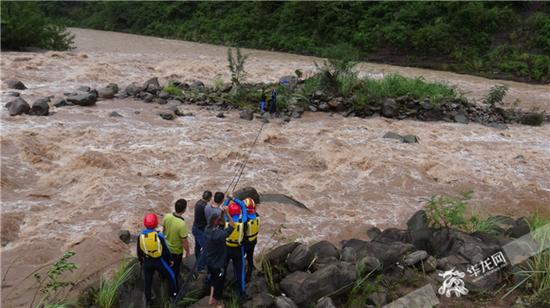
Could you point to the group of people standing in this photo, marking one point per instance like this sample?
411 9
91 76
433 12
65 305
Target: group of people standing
225 230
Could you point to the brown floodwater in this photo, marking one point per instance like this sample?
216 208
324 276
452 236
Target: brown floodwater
73 179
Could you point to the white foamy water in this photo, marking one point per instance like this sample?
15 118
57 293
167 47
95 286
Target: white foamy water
74 179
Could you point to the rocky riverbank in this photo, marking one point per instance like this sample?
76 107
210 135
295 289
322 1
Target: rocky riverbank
394 267
175 94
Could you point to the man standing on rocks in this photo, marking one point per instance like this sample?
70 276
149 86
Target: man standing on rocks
251 235
215 208
175 229
273 106
199 225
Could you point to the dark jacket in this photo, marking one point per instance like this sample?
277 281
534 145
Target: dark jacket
166 255
200 219
215 246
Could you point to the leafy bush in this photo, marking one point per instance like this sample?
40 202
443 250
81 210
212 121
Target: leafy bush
108 292
51 285
236 66
24 26
496 95
446 211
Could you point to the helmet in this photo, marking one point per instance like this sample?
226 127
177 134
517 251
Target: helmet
150 221
234 209
250 205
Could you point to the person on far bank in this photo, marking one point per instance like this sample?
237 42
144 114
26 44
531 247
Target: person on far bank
154 256
262 103
215 254
199 226
175 230
273 106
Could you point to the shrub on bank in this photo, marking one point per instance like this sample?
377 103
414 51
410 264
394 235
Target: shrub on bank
24 26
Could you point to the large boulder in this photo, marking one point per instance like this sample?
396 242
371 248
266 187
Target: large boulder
325 282
284 302
390 108
14 84
417 221
41 107
300 258
325 302
152 85
320 263
289 81
454 242
264 300
247 192
18 106
278 255
60 102
368 264
246 115
393 235
83 99
133 89
325 249
415 257
392 135
290 285
387 253
519 229
197 85
108 92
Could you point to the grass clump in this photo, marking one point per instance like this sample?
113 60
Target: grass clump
172 90
396 85
108 292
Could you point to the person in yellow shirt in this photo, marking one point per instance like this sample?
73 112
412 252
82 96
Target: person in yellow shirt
175 231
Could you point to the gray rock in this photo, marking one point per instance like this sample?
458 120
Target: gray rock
300 258
461 118
258 285
417 221
260 300
124 236
164 95
430 264
390 108
336 103
220 115
84 89
167 115
326 281
320 263
325 302
410 139
349 255
14 84
393 135
174 102
368 264
115 114
151 86
324 107
290 285
40 107
197 85
325 249
284 302
146 97
83 99
373 232
246 115
296 114
378 299
60 102
520 228
107 92
393 235
415 257
312 108
180 112
278 255
133 89
18 106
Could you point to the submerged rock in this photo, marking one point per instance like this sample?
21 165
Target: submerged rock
14 84
246 115
40 107
18 106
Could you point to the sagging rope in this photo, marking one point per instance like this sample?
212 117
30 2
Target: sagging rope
237 176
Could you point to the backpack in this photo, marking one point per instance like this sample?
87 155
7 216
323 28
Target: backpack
150 244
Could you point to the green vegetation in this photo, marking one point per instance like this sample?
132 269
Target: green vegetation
504 39
24 25
51 285
417 88
107 294
236 66
448 211
496 95
172 90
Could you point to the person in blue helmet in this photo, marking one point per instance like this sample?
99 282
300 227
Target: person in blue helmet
154 256
236 211
273 106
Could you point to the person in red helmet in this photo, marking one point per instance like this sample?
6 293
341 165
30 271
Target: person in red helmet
251 230
153 254
236 212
